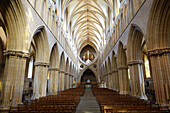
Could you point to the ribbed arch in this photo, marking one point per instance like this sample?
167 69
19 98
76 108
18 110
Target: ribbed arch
85 16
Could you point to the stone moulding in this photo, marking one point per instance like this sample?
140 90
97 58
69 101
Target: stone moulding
133 62
53 68
16 53
156 52
45 64
114 70
61 71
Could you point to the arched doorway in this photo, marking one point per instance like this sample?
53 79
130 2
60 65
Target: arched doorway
88 77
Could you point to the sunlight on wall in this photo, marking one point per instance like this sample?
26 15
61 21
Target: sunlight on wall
2 35
30 68
147 70
48 75
129 74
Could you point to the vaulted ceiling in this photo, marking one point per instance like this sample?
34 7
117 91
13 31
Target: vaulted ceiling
87 21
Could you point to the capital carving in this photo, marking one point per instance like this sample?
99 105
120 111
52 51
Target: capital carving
53 68
133 62
105 74
45 64
109 73
114 70
67 73
156 52
20 54
71 75
61 71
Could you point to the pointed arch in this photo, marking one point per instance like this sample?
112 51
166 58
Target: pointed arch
81 73
122 70
66 80
40 43
54 57
88 74
14 17
121 56
114 62
62 71
134 43
158 43
62 62
135 61
109 64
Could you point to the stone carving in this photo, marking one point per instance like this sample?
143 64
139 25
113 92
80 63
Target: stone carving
53 68
61 71
133 62
156 52
16 53
114 70
45 64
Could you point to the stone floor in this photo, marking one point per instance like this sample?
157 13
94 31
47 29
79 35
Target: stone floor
88 103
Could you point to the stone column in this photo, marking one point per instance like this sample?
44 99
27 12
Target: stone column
107 81
65 81
53 80
115 79
70 81
123 80
40 79
110 82
137 79
62 77
14 74
160 68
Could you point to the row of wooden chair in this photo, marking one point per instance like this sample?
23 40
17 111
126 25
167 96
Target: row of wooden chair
64 102
112 102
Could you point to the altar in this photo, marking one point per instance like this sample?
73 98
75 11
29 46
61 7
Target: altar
88 84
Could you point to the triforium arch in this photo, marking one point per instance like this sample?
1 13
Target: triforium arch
62 71
122 69
40 45
135 61
114 71
53 70
158 44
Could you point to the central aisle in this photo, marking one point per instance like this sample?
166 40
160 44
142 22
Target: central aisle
88 103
